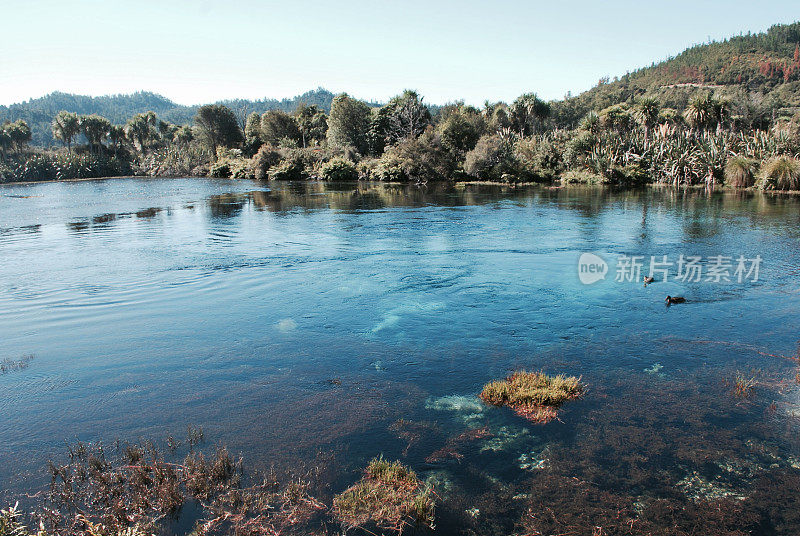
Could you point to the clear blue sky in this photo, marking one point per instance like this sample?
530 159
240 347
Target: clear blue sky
200 51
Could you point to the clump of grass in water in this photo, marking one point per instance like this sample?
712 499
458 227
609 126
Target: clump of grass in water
743 386
389 496
533 395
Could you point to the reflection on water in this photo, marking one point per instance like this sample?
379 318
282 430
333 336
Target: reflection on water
291 318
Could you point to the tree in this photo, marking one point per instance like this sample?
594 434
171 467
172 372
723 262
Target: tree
217 126
5 141
349 122
96 129
141 128
66 126
407 117
527 112
313 123
19 133
252 134
116 134
646 113
461 129
277 126
706 112
183 136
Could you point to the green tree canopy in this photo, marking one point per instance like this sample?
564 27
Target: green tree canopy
277 125
65 126
141 128
349 123
96 129
217 126
313 123
527 113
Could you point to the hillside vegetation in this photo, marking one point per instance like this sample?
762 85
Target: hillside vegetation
758 73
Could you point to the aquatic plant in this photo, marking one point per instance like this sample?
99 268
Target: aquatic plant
740 172
129 488
390 496
533 395
743 386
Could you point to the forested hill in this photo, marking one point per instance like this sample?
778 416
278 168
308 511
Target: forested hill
119 108
763 68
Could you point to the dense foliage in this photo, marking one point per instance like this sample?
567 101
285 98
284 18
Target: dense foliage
720 113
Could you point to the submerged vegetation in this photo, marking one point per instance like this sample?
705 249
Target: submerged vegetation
390 497
533 395
663 124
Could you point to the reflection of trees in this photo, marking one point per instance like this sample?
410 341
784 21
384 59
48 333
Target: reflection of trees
228 205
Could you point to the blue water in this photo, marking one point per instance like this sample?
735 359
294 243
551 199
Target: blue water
289 319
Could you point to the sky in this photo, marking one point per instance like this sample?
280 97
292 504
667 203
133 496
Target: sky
203 51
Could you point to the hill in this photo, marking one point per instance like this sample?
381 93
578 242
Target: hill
119 108
760 71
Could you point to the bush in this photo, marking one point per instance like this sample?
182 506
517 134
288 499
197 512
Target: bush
582 177
291 168
220 169
339 170
266 157
740 172
781 173
491 159
418 160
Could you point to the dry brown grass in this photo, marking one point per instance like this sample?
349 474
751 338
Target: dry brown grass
533 395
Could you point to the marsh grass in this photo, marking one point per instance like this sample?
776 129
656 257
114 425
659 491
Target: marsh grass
389 496
533 395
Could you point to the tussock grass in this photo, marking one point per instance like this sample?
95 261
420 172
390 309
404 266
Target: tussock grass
389 496
533 395
740 172
781 173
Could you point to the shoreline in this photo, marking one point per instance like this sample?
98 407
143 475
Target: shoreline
553 185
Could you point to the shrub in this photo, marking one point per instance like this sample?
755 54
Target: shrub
781 173
740 172
339 170
419 160
533 395
220 169
582 177
291 168
266 157
491 159
389 496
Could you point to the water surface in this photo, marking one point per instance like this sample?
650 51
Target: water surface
290 319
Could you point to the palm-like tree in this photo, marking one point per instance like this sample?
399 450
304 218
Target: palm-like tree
646 114
66 126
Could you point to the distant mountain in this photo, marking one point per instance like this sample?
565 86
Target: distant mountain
119 108
763 67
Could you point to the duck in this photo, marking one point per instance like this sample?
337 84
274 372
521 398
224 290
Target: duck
648 280
674 299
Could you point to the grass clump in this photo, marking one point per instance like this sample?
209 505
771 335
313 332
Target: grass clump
743 386
389 496
533 395
740 172
781 173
